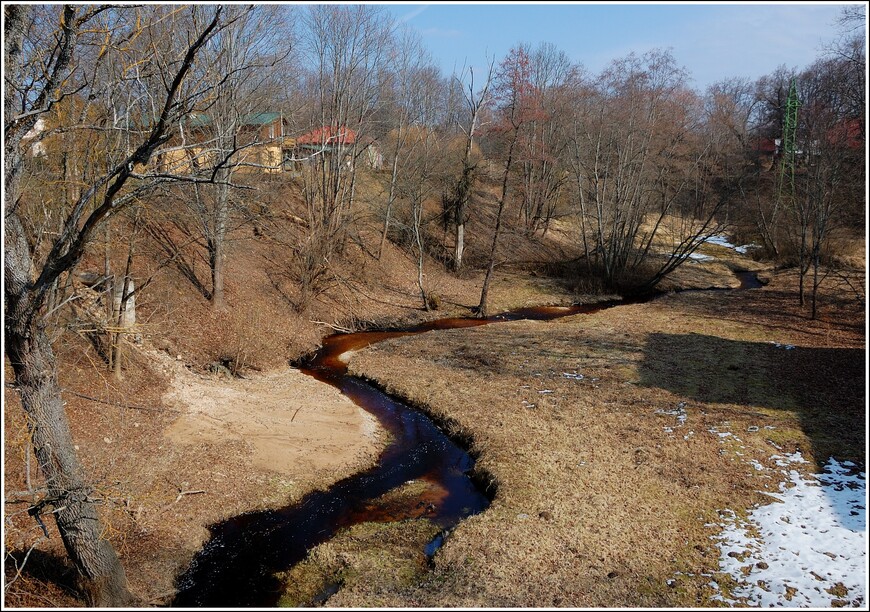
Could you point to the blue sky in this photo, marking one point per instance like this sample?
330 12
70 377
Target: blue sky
713 41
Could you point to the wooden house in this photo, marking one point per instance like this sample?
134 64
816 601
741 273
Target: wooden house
329 141
260 139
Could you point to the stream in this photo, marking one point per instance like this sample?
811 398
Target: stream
237 566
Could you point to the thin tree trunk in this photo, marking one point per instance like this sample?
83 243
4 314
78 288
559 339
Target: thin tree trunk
110 295
460 246
815 293
390 198
126 290
802 269
418 213
216 262
463 195
482 308
217 244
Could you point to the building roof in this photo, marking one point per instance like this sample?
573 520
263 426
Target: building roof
325 136
848 133
261 118
766 145
200 120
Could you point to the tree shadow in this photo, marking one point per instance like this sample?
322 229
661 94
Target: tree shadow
824 387
54 572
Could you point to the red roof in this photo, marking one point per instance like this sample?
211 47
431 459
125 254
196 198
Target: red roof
325 135
765 145
847 133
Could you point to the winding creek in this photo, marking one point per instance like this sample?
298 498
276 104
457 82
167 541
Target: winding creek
237 566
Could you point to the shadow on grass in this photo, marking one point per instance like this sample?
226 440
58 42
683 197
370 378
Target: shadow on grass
54 574
824 387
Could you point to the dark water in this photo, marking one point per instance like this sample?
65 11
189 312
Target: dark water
236 566
749 280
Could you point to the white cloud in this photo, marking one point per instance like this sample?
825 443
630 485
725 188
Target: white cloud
409 16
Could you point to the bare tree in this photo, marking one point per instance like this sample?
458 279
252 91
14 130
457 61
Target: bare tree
831 165
456 200
643 171
517 104
37 78
771 97
423 165
226 133
543 144
346 48
411 67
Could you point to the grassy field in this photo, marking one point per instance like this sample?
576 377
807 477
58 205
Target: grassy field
614 441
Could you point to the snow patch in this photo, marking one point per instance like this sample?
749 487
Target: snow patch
701 257
810 547
679 412
721 240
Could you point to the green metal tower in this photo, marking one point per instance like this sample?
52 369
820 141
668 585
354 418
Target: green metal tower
789 136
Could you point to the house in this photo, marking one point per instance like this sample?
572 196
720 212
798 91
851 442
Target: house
260 138
267 130
326 140
848 134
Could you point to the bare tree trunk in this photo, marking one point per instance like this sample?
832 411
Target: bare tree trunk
463 189
460 246
27 345
482 308
216 263
124 294
802 269
33 362
418 215
110 295
392 195
815 292
217 244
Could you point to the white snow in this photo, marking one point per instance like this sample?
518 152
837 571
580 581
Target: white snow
701 257
722 240
812 541
679 412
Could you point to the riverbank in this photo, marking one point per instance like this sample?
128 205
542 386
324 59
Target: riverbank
616 439
181 443
186 455
196 450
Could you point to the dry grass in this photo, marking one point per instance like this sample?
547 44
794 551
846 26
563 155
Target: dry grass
139 473
602 493
369 560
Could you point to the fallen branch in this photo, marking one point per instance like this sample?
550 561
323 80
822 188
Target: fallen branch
183 493
119 404
19 497
333 326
